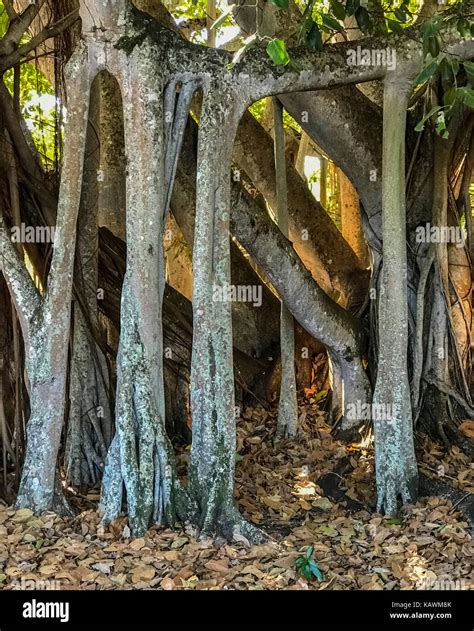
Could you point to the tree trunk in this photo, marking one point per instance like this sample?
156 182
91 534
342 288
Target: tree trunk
287 423
89 428
395 460
46 339
212 383
141 447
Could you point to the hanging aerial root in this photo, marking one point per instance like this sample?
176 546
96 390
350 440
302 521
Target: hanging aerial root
176 111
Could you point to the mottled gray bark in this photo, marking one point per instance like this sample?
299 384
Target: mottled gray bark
145 453
89 427
287 423
46 336
212 382
396 468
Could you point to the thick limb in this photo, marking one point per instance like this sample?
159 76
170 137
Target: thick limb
320 316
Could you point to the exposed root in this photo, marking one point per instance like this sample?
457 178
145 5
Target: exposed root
464 502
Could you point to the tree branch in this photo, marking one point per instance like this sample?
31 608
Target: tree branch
8 4
15 57
27 158
18 27
20 284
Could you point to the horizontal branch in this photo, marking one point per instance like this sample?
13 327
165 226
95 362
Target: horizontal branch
256 76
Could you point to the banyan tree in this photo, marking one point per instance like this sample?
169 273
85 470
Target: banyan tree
106 361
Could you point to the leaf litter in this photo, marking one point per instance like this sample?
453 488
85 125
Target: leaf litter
277 489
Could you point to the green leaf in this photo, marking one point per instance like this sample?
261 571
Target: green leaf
450 96
281 4
427 72
331 24
277 52
352 6
464 27
421 124
314 40
315 571
441 128
222 18
431 39
320 395
363 19
394 521
454 63
309 552
469 68
434 46
467 97
338 9
401 15
429 28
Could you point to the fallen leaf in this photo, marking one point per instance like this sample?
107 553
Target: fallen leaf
168 583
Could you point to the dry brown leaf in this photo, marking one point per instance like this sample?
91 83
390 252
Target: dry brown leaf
217 566
168 583
467 428
143 573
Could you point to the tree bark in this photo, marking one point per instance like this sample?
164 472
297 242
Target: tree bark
46 336
396 468
89 427
212 383
323 318
287 423
141 447
351 219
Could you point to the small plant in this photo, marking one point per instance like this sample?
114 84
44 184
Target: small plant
307 567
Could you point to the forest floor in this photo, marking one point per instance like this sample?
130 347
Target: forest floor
287 490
